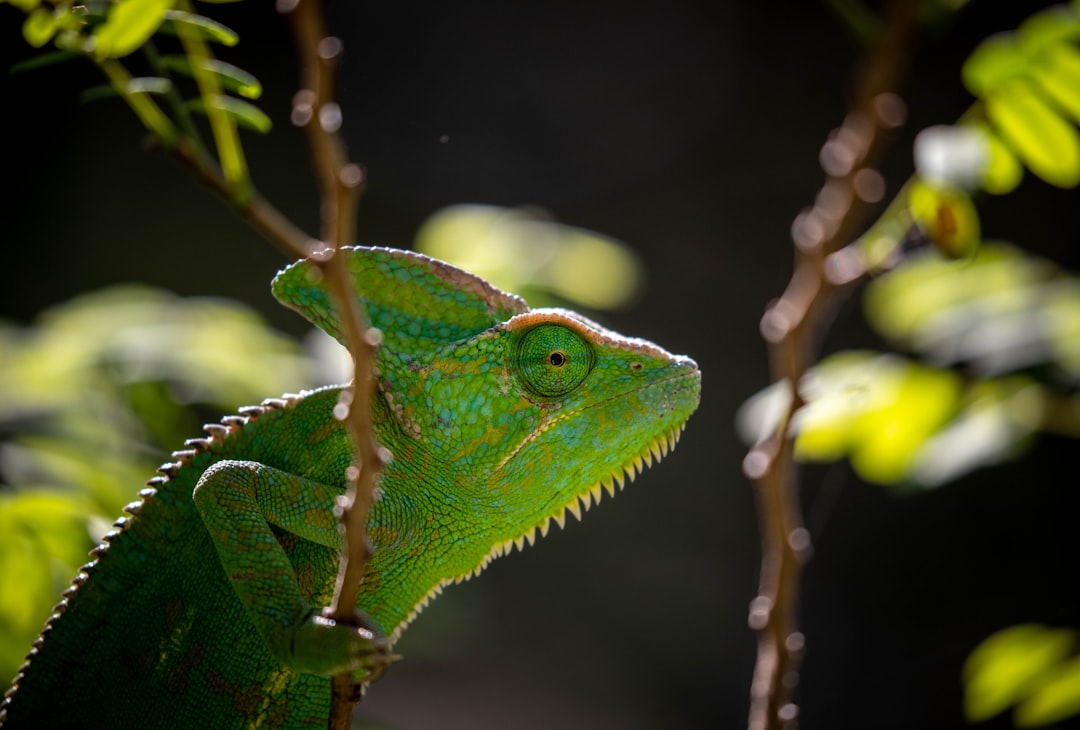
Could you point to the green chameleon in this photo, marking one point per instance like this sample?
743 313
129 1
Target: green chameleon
201 609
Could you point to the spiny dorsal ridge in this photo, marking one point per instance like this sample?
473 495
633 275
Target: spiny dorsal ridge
252 412
199 445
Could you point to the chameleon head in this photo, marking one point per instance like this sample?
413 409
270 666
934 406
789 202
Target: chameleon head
546 411
500 419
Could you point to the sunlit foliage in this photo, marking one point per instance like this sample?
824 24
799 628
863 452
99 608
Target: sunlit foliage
99 391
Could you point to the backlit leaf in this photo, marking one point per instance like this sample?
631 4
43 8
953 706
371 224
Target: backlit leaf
1054 700
1003 171
235 79
1048 145
210 29
995 60
40 26
1003 669
947 216
246 115
149 85
43 60
128 26
1058 77
1050 27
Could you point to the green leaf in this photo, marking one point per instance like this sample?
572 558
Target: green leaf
1057 699
879 410
40 26
231 78
246 115
1048 145
128 26
996 60
43 60
149 85
210 29
947 216
1058 77
1050 27
1003 171
97 93
1004 668
25 5
235 79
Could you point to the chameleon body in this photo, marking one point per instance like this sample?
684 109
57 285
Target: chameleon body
201 609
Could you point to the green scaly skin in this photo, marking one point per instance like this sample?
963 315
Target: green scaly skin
202 608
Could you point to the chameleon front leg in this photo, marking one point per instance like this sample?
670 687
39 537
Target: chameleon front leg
238 501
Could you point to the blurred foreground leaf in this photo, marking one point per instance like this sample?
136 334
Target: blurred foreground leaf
1000 333
92 398
1031 667
523 252
1027 81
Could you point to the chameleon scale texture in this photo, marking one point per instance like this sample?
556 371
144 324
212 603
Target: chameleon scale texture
500 420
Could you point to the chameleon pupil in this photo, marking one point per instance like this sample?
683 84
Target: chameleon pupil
557 359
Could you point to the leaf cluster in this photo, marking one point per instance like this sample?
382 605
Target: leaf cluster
93 397
124 35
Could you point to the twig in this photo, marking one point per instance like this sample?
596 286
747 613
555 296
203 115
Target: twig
340 184
791 326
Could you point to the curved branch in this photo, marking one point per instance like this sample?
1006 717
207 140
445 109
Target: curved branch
340 184
791 327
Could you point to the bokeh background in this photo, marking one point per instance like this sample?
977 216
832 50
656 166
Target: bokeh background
690 131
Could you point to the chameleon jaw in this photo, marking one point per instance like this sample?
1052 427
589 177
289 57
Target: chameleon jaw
653 452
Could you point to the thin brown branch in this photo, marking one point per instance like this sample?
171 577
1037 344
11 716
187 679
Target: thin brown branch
340 186
257 211
791 327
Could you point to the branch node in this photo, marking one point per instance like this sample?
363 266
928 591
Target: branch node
330 48
351 176
756 463
760 613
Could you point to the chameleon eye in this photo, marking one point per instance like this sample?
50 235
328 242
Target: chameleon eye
552 360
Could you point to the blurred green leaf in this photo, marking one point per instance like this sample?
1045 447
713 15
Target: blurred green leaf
97 93
229 76
524 252
878 410
246 115
1003 171
993 62
1053 26
999 312
149 85
41 25
25 5
1056 698
44 538
128 26
1008 666
98 392
210 29
882 412
947 216
235 79
1048 145
1011 321
1058 78
43 60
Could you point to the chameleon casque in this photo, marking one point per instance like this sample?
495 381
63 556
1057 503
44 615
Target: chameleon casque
202 607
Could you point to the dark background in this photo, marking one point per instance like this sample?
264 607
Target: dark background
690 130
